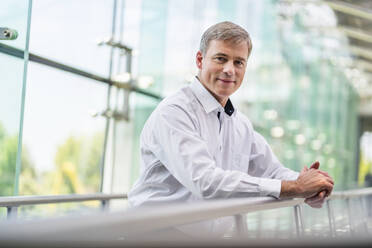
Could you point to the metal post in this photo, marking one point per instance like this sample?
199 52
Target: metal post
364 214
241 225
350 216
331 219
259 224
105 205
299 221
12 212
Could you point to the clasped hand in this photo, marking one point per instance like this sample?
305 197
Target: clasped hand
315 184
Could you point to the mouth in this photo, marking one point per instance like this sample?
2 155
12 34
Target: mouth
226 81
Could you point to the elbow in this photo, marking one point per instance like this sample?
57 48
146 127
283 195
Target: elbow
207 185
207 193
206 189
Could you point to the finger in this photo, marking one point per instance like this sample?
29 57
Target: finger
312 203
317 198
329 193
315 165
322 194
324 173
315 205
312 198
318 205
304 169
327 187
328 178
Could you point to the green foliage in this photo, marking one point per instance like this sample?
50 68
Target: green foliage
77 165
8 156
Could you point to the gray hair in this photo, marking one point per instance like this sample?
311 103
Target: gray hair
226 31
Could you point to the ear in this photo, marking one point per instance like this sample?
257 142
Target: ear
199 60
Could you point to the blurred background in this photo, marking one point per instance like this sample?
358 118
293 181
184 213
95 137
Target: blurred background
79 82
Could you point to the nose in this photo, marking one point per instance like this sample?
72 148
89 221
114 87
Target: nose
229 68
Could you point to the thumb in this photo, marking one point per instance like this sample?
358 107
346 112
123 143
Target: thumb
315 165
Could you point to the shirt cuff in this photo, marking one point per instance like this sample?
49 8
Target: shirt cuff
271 187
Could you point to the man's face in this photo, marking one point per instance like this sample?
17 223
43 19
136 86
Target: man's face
222 67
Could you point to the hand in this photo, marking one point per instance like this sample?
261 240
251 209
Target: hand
309 184
316 201
316 165
312 181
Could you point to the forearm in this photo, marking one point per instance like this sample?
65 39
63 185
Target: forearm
289 189
308 184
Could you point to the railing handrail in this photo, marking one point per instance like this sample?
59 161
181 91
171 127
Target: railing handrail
10 201
350 193
97 226
108 225
48 199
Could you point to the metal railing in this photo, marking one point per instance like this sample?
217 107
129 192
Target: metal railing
15 52
12 203
114 226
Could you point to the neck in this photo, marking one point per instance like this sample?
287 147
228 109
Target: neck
222 101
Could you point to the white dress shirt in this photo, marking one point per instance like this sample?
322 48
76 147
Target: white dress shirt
192 148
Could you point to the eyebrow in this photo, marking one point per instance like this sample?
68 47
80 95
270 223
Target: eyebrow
225 55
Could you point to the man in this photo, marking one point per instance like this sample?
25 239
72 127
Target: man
196 145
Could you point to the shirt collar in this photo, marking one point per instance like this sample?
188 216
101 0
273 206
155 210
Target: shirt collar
206 99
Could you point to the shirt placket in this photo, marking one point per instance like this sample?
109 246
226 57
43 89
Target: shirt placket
220 133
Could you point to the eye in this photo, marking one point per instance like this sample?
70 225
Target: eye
220 59
239 63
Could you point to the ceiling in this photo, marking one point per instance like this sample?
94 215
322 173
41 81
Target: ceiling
354 18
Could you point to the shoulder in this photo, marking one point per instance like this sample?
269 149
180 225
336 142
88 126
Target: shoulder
243 120
178 107
181 101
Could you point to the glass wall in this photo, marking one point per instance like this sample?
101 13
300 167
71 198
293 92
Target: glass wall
13 15
82 135
62 139
298 90
365 165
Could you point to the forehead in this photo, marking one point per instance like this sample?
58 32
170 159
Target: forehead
230 48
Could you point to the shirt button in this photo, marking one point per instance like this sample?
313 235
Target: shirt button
220 147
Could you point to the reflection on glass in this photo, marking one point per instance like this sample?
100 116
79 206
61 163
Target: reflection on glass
62 141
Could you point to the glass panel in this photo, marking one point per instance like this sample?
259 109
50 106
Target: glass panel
153 27
271 224
69 31
58 210
284 109
13 15
62 141
365 164
3 213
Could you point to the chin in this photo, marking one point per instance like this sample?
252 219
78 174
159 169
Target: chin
224 94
